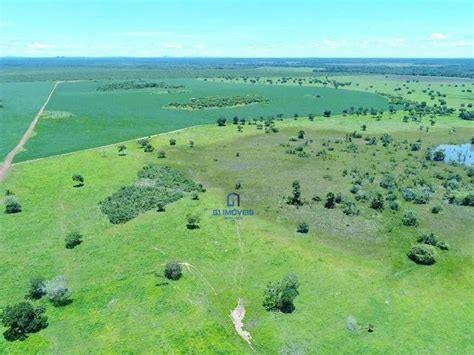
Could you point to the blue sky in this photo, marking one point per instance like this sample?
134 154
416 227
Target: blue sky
230 28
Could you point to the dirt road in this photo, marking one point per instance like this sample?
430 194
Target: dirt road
9 158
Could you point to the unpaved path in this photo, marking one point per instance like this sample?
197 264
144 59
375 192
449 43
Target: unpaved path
237 315
9 158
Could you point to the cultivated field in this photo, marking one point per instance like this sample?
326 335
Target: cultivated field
92 118
20 102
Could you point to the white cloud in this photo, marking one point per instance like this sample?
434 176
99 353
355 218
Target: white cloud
146 34
435 36
39 45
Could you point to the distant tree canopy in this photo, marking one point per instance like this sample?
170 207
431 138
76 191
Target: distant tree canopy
132 84
200 103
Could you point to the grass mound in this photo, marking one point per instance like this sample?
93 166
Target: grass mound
156 186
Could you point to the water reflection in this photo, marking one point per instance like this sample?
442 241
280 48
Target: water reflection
461 153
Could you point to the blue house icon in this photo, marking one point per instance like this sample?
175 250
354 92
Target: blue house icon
233 199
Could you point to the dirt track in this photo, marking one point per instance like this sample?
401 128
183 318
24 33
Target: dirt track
10 156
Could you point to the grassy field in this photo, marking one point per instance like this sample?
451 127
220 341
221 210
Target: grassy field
21 102
90 118
347 265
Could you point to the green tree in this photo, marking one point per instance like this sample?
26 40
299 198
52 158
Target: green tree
173 270
12 204
295 197
330 200
121 149
221 121
78 179
57 291
21 319
72 240
280 296
192 222
37 288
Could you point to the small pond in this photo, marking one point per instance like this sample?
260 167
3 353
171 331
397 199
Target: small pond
461 153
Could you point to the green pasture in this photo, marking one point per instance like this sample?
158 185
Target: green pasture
91 118
347 265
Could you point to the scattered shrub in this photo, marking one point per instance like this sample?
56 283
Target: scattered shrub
172 141
330 200
350 208
410 218
173 270
22 319
388 182
295 197
192 222
436 209
351 324
443 245
221 121
37 288
394 205
78 179
161 154
427 238
302 228
57 291
121 149
73 240
422 254
378 202
148 148
280 296
12 204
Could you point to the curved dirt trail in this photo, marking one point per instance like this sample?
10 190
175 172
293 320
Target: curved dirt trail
7 163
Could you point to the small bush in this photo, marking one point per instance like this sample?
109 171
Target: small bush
22 319
161 154
12 204
194 196
37 288
302 228
351 324
73 240
160 207
173 270
57 291
428 238
172 141
410 218
221 121
78 179
192 222
422 254
378 202
436 209
443 245
148 148
394 205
